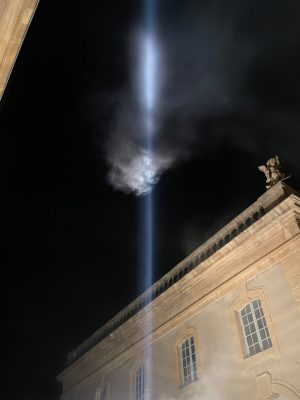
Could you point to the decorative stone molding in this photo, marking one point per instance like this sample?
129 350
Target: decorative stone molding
264 386
268 388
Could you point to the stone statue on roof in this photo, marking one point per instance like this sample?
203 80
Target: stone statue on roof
272 172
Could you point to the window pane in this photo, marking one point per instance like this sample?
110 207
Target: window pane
265 344
257 348
255 338
260 323
262 334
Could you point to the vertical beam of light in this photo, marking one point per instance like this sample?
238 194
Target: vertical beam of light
148 78
149 63
146 218
148 99
148 90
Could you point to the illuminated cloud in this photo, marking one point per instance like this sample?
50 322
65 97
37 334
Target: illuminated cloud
137 173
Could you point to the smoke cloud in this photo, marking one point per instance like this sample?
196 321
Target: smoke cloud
217 78
136 170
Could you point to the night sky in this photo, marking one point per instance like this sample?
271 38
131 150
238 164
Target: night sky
72 246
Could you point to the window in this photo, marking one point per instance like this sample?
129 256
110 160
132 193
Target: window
189 366
255 330
103 394
140 383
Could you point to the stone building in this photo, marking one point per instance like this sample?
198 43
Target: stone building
15 18
223 324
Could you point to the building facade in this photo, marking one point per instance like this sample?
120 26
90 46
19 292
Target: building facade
223 324
15 18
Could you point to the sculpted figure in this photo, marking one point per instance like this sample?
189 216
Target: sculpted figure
272 172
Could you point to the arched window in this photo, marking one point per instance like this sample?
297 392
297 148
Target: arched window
101 394
140 383
256 333
188 361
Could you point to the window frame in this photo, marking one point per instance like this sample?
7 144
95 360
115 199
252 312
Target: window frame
257 345
245 296
184 332
188 361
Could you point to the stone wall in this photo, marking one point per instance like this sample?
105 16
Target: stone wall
15 17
